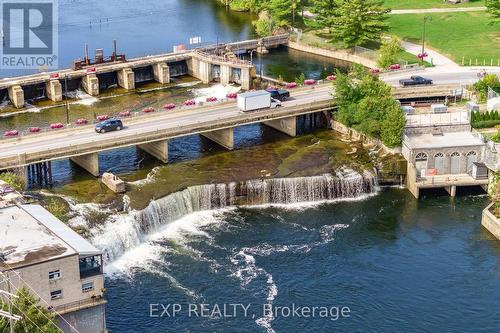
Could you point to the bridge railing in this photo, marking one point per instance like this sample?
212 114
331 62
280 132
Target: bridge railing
222 59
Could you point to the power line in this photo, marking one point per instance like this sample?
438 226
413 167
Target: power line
41 299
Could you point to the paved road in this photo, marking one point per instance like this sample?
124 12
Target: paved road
143 126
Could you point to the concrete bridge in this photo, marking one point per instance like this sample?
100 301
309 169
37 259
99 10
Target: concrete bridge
151 133
202 63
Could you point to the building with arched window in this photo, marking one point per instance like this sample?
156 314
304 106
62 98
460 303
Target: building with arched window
438 158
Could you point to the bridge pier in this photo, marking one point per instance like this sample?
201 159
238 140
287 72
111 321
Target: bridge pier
161 72
452 190
16 96
284 125
90 84
89 162
200 69
223 137
54 90
126 78
158 149
225 74
246 78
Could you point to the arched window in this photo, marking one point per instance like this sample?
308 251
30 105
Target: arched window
471 158
439 155
439 163
421 157
471 153
455 163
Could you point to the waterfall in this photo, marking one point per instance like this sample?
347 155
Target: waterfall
130 230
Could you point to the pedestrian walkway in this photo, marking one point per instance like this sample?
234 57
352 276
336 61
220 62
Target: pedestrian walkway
436 10
438 59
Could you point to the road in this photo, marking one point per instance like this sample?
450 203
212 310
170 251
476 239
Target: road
135 128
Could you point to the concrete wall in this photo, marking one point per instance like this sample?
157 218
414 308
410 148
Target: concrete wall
16 96
54 90
490 222
342 55
90 320
90 84
352 133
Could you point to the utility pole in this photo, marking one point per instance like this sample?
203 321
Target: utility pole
66 97
426 18
10 315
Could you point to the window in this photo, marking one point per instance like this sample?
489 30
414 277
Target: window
54 275
86 287
56 294
421 157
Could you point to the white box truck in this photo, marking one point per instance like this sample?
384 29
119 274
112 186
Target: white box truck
256 100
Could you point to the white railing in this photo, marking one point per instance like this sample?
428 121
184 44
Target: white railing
432 119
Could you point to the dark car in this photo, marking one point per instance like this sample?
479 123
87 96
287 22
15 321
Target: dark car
279 94
414 81
109 125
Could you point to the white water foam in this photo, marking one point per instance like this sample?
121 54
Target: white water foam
218 90
82 98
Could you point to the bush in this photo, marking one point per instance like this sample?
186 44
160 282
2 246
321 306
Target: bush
485 119
300 80
481 86
486 123
16 181
496 137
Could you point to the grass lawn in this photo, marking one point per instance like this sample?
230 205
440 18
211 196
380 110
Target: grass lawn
417 4
455 35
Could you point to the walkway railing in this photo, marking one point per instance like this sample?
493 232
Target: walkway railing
221 59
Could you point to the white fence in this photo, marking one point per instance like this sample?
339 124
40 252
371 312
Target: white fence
432 119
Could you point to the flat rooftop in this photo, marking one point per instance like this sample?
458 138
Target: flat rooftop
444 140
29 234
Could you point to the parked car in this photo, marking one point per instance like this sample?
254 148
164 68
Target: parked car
279 94
414 81
109 125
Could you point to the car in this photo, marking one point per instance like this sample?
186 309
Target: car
275 103
414 81
279 94
109 125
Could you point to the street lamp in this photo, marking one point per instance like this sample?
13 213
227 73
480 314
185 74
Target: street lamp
426 18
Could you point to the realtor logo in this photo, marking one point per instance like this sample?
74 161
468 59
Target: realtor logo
29 31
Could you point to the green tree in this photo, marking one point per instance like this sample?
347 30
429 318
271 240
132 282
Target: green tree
389 52
481 86
36 319
326 11
359 21
265 25
393 126
300 80
366 103
13 179
493 7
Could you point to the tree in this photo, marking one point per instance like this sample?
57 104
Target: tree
481 86
493 8
393 126
264 26
359 21
325 11
366 103
36 319
16 181
389 52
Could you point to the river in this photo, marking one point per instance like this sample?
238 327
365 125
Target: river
312 227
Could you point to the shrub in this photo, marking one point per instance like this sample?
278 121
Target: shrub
486 123
16 181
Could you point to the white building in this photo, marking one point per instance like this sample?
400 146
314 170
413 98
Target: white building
59 266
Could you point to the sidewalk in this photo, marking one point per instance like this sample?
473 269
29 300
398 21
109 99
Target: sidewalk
436 10
438 59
